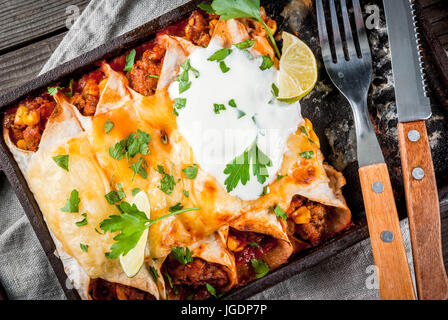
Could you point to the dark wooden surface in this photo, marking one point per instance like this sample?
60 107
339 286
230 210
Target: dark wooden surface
30 30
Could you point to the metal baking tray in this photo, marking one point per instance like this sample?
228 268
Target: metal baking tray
327 109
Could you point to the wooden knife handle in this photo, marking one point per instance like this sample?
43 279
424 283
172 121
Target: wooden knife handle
394 275
422 202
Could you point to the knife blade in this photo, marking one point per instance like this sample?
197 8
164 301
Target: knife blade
414 107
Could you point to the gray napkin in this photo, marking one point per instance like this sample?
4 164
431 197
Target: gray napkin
24 270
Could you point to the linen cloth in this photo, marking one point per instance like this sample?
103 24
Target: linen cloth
24 270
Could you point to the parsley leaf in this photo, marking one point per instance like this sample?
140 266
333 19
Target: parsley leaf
275 91
130 58
234 9
118 151
72 204
52 91
307 154
261 268
154 273
191 171
82 222
217 108
84 247
181 254
62 161
267 62
220 55
224 68
167 182
280 213
131 223
232 103
186 193
245 44
303 130
135 191
260 162
206 7
154 76
253 244
113 197
139 168
183 78
180 103
108 126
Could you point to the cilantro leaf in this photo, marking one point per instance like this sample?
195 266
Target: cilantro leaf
280 213
232 103
154 273
130 58
113 197
217 108
234 9
135 191
167 182
238 171
52 91
307 154
72 204
154 76
176 207
191 171
267 62
245 44
186 193
118 151
181 254
241 114
220 55
183 78
84 247
82 222
139 168
260 162
253 244
62 161
184 86
224 68
261 268
212 291
108 126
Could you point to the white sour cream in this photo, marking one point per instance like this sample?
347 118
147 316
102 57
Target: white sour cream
217 139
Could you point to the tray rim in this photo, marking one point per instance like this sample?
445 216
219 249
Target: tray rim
87 60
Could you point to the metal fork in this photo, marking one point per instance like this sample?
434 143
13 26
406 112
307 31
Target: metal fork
352 75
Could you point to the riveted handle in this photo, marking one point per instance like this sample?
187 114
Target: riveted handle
422 202
394 275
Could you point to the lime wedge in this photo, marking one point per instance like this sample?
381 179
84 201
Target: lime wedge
133 261
298 69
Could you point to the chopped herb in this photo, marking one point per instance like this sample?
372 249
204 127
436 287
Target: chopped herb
72 204
191 171
84 247
180 103
83 222
303 130
190 297
135 191
187 66
52 91
206 7
275 91
181 254
113 197
232 103
220 55
131 223
212 291
96 230
233 9
154 273
130 58
70 86
154 76
184 86
307 154
224 68
183 78
280 213
267 62
62 161
265 191
176 207
118 151
254 245
280 177
108 126
217 108
186 193
261 268
245 44
241 114
139 168
167 182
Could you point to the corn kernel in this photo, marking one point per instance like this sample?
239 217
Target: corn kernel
91 88
32 118
21 144
102 84
21 113
301 215
232 244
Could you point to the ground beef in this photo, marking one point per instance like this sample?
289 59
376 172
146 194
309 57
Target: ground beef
149 65
198 29
32 136
100 289
87 92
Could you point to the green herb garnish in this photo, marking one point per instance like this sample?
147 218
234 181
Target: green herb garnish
212 291
139 168
154 76
181 254
154 273
84 247
167 182
178 206
307 154
135 191
83 222
224 68
217 108
108 126
62 161
280 213
267 63
245 44
186 193
191 171
253 244
232 103
220 55
130 58
72 204
261 268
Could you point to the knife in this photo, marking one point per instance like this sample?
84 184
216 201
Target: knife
414 108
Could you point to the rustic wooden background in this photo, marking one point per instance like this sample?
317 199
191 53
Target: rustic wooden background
30 30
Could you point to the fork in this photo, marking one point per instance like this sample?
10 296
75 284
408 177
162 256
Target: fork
351 73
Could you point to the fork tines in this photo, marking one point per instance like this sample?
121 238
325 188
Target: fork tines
356 46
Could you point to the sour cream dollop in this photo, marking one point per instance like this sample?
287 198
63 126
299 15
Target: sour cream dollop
218 137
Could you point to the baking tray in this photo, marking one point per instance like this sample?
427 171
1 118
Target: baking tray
326 108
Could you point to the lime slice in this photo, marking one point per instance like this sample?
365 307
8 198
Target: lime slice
298 69
133 261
